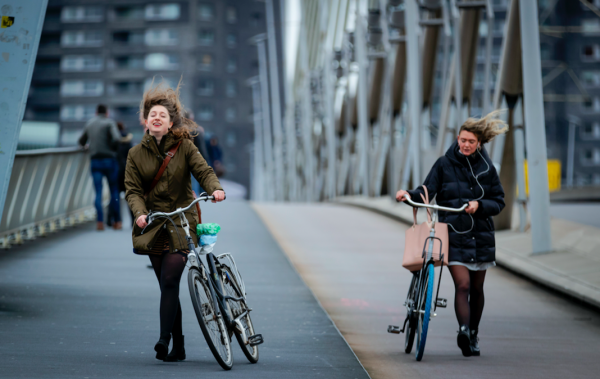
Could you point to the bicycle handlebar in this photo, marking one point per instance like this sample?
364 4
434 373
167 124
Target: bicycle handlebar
153 215
436 207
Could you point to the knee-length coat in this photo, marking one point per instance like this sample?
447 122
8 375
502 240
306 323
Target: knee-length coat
173 190
452 180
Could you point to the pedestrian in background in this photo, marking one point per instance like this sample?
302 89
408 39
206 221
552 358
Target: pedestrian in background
466 174
201 145
102 136
215 156
122 151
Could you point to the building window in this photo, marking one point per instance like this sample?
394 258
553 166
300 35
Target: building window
49 40
162 12
593 105
162 37
206 37
590 53
77 112
590 26
154 81
230 114
206 63
230 139
81 38
129 13
591 78
81 63
161 61
129 62
206 12
256 19
590 157
82 14
231 65
128 38
590 131
82 88
231 40
231 15
230 88
206 112
128 88
206 87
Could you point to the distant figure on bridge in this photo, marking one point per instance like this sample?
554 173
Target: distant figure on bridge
215 156
153 185
122 151
103 137
466 174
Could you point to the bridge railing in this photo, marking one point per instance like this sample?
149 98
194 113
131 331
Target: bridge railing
49 189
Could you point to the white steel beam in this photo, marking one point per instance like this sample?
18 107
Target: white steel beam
536 127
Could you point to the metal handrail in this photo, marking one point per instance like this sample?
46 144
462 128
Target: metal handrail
49 189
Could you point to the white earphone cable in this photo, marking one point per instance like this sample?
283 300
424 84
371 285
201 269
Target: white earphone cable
482 191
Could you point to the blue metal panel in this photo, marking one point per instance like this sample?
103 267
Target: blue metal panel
20 30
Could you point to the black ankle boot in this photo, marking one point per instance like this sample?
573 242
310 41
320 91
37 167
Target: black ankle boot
463 340
178 351
162 347
475 343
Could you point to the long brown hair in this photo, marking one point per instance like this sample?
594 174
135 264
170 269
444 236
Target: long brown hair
162 94
485 128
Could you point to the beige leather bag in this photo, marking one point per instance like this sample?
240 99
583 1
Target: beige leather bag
416 242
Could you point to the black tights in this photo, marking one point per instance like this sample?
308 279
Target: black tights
168 269
468 297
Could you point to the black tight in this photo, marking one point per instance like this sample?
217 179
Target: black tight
468 297
168 269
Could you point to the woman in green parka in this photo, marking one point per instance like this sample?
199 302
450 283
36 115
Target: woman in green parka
163 242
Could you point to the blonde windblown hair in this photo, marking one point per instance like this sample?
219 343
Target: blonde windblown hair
485 128
162 94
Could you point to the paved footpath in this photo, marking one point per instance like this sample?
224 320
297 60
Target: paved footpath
351 259
79 304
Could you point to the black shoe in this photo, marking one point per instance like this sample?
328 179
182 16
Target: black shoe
162 347
463 340
178 351
475 343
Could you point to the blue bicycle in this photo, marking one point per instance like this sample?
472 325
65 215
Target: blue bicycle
419 299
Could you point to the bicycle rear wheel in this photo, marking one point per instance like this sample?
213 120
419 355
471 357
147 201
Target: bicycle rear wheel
424 310
212 325
237 308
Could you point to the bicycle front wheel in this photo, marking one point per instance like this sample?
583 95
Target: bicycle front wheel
238 308
424 310
211 322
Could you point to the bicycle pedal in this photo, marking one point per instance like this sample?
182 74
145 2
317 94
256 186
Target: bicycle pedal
256 339
442 303
394 329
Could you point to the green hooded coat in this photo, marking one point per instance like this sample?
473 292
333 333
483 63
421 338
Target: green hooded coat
173 190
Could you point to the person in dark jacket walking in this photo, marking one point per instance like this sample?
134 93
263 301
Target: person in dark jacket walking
466 174
103 137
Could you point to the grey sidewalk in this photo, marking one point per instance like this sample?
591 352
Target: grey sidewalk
571 268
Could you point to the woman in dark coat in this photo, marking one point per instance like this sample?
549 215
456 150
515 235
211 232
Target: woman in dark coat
163 241
465 174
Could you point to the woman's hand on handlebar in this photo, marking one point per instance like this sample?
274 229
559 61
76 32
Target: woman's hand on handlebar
142 221
472 208
219 196
400 195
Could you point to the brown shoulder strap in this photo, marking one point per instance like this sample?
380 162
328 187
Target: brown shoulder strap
163 167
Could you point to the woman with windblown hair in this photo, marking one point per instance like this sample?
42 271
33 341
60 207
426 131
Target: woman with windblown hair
163 241
465 174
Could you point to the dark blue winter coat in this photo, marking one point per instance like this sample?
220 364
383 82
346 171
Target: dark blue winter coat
453 184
